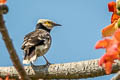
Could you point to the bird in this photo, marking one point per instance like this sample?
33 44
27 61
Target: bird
38 42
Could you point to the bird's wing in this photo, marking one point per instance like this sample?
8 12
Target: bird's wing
35 38
31 40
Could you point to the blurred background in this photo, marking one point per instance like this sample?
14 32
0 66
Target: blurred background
81 20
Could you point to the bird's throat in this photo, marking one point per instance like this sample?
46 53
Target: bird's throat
40 26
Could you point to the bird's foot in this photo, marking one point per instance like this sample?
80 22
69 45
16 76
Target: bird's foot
48 63
32 64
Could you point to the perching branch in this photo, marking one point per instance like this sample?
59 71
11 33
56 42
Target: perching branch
116 77
11 50
75 70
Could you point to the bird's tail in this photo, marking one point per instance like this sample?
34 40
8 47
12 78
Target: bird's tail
29 58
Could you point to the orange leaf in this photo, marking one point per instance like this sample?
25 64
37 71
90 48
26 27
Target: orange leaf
107 60
117 35
7 77
102 44
3 1
112 8
114 17
108 67
109 30
112 47
1 79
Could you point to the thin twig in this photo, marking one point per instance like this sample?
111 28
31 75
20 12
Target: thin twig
13 55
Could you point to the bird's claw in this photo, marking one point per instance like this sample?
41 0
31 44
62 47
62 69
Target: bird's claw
32 64
48 63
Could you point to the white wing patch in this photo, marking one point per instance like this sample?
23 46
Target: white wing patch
29 44
32 59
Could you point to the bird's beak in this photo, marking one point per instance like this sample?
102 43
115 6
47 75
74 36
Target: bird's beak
57 24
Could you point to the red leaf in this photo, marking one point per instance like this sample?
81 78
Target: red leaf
117 35
108 67
112 6
109 30
107 60
1 79
112 47
102 44
7 77
114 17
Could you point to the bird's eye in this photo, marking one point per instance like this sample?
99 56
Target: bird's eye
47 23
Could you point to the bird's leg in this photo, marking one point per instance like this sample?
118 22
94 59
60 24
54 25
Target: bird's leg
47 62
32 64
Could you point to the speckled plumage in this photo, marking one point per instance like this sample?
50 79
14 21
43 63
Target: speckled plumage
38 42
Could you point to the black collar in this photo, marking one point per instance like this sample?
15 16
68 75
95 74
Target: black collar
40 26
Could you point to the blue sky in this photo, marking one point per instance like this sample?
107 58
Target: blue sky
82 22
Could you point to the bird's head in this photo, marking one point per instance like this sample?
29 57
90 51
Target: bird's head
47 23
